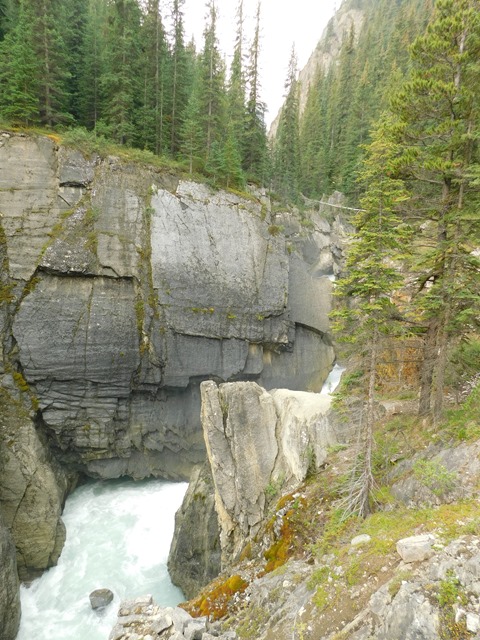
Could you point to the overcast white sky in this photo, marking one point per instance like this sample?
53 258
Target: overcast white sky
283 22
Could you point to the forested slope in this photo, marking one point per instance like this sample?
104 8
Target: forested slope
123 69
350 78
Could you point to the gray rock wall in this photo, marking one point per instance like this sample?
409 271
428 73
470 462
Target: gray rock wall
195 556
256 440
128 287
9 586
32 490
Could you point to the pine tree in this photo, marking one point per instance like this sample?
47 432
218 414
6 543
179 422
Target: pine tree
255 133
212 85
20 70
120 79
438 108
287 143
371 279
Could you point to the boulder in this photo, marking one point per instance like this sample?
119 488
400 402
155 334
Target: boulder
416 548
195 629
360 540
141 618
100 598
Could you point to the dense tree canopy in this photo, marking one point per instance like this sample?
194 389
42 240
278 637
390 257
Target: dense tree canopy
418 232
345 99
122 69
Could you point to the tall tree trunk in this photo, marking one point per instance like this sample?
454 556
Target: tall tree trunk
427 368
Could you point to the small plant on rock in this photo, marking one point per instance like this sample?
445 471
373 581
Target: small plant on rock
435 476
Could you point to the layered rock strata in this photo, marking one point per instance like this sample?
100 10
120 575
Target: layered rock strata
124 287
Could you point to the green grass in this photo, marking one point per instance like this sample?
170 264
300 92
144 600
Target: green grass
463 423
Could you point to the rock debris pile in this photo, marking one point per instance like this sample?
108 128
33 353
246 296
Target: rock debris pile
143 619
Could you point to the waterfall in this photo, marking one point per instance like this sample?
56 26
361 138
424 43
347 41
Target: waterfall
333 380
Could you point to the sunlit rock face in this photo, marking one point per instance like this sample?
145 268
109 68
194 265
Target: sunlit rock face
128 287
257 441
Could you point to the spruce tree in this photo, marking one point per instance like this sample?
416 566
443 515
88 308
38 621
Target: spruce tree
35 75
342 101
356 89
287 143
255 132
120 84
181 77
74 19
91 72
50 47
191 147
237 83
152 132
312 141
4 18
212 85
438 108
369 320
20 70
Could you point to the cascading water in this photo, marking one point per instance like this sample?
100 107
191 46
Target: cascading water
118 537
333 380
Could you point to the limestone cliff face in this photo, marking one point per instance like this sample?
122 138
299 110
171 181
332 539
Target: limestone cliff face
256 442
195 555
124 287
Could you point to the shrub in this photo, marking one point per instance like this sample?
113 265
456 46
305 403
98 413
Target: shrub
435 476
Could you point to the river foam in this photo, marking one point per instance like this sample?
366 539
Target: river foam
118 537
